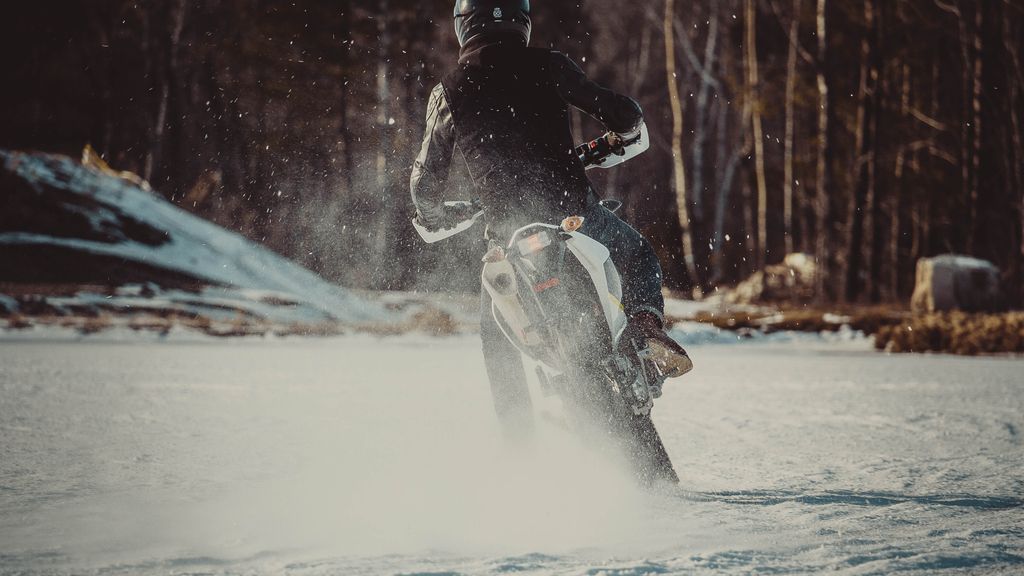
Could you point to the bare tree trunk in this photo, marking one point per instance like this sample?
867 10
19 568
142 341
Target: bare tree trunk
875 227
639 61
876 84
788 177
1015 75
725 190
679 170
643 60
968 130
106 74
965 123
383 95
855 210
346 133
384 245
168 55
707 81
752 88
822 205
151 75
749 221
893 253
976 134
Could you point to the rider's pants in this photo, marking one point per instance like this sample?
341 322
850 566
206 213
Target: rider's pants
641 291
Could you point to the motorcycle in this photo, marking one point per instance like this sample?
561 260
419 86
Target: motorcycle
556 296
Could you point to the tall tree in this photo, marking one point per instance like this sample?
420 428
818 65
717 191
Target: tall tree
977 45
823 223
704 68
787 168
678 168
753 90
1015 80
859 212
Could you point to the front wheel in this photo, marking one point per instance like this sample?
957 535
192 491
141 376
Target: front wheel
600 411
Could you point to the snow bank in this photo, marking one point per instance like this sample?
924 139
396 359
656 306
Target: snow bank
116 210
693 333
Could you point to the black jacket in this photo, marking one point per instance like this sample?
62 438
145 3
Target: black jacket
506 108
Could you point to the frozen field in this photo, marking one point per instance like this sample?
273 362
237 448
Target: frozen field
358 456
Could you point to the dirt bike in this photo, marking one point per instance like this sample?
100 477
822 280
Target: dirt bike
557 297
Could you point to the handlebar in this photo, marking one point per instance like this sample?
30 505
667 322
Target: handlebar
611 150
604 152
595 152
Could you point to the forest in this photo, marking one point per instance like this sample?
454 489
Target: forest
866 133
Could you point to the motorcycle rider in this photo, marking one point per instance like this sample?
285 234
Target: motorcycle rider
505 106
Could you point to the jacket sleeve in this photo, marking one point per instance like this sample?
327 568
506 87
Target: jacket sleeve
618 113
430 171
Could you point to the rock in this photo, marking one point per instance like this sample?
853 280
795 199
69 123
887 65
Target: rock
952 282
791 281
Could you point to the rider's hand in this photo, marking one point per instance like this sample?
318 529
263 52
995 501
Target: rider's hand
617 143
461 212
450 217
618 140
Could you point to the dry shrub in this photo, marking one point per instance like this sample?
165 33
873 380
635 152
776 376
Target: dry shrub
240 325
430 320
790 282
148 323
435 322
955 333
197 322
18 322
95 324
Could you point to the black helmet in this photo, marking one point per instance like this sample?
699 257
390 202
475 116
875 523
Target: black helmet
476 17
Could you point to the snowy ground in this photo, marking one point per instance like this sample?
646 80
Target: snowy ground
364 456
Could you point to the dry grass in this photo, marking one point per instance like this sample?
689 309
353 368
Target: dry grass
95 324
18 322
431 321
956 333
895 330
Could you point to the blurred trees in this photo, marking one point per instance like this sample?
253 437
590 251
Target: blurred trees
866 133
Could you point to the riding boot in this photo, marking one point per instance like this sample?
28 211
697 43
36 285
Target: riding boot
646 331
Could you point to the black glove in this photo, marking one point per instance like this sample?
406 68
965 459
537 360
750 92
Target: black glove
449 216
619 140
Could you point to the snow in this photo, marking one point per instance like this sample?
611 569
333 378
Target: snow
691 332
196 247
961 261
678 308
8 304
358 455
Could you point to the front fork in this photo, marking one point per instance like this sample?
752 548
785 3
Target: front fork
639 382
